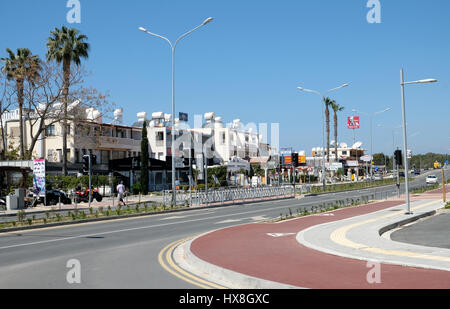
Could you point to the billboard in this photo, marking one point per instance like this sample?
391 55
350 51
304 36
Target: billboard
287 160
302 159
39 177
183 117
353 122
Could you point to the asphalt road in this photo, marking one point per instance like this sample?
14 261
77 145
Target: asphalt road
124 253
430 232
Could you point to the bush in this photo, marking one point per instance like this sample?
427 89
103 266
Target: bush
136 188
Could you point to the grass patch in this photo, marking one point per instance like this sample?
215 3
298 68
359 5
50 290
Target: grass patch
356 185
81 215
325 207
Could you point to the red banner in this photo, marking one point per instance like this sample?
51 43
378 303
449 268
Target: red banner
353 122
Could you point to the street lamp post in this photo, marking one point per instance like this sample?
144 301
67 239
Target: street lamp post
322 96
405 145
173 47
371 134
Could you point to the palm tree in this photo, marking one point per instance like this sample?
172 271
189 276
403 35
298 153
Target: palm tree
336 108
21 67
66 46
328 102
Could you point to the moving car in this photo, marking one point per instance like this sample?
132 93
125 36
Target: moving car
431 179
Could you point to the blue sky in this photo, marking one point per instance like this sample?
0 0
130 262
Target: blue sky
248 62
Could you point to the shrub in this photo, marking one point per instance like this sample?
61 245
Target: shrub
21 215
136 188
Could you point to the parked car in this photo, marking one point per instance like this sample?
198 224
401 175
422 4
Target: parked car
431 180
401 174
52 198
377 177
416 172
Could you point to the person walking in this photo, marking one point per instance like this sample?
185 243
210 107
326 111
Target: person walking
121 192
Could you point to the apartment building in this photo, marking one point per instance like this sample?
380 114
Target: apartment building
85 135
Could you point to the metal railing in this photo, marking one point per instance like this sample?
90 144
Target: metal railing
228 196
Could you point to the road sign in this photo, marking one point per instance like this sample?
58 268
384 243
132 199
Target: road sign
366 158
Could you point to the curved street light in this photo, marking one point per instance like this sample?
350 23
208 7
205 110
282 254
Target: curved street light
173 47
405 145
322 96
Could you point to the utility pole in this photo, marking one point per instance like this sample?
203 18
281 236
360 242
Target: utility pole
90 178
444 197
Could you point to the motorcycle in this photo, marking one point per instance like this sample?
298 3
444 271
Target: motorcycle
83 195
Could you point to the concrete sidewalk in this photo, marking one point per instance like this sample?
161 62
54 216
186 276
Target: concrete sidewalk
324 251
360 238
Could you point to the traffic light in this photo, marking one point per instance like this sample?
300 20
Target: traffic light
295 159
186 161
85 164
398 157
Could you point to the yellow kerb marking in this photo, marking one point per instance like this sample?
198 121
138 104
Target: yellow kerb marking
339 236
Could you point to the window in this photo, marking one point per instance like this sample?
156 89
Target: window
77 156
159 136
223 138
50 131
105 156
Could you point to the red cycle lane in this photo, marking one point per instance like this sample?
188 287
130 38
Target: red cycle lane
248 249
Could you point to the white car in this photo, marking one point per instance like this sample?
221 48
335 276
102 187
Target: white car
431 180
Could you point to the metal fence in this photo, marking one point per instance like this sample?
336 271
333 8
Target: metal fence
228 196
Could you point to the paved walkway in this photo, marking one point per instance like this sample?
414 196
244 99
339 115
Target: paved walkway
106 201
325 251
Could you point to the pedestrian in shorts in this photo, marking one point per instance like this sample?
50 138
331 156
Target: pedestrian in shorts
121 192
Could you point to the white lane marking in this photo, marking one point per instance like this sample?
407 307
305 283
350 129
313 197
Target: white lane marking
259 218
152 226
324 215
173 217
229 221
276 235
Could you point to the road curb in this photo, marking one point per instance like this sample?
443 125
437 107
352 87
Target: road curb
187 260
406 221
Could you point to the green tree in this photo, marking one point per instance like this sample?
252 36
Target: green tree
66 46
21 67
336 108
144 160
328 102
381 159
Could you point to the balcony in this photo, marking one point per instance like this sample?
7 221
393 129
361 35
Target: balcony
107 142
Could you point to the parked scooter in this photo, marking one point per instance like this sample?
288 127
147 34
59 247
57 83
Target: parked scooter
83 195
